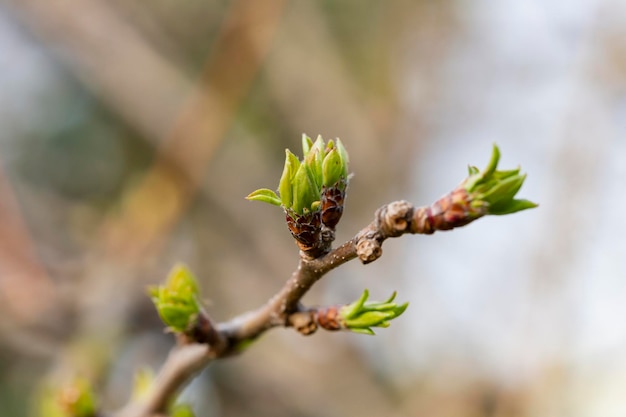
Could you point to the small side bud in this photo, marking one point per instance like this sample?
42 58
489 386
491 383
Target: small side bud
177 301
489 191
75 399
495 190
362 315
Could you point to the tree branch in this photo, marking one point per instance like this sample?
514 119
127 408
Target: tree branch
181 365
284 308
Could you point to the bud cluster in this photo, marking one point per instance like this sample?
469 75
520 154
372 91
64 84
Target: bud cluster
311 191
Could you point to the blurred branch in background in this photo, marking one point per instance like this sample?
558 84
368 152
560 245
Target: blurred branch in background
157 98
112 59
26 290
154 205
305 61
184 121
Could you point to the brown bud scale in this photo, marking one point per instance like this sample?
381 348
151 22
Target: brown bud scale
306 228
328 318
332 203
452 210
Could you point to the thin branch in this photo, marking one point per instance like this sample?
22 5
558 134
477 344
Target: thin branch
284 309
181 365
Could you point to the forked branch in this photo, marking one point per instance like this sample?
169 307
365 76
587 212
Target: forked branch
285 310
312 192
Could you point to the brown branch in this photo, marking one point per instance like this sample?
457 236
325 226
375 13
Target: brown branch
180 366
284 309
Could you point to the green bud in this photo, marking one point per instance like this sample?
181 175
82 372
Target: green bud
75 399
345 160
362 315
335 165
332 168
494 190
305 190
78 399
330 145
177 301
285 187
302 182
318 145
313 160
307 143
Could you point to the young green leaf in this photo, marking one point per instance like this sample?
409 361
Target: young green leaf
504 190
493 162
313 161
307 143
512 206
305 191
285 187
345 160
265 195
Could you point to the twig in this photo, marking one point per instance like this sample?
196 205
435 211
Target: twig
284 309
181 365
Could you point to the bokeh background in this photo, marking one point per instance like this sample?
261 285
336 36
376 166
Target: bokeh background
131 131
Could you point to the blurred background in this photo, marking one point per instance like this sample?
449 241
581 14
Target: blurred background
131 132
